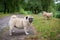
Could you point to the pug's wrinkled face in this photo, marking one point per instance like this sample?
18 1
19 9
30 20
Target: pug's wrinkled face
30 18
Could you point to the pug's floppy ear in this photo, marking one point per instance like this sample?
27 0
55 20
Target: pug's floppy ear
26 17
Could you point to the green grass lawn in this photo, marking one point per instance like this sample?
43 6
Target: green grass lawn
3 15
48 29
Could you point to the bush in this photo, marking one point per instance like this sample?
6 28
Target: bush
33 6
58 7
29 12
58 15
22 11
1 8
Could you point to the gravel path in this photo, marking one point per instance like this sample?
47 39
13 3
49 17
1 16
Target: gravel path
4 22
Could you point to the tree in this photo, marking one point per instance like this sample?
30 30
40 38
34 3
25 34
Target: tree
10 5
58 7
35 6
47 5
1 6
32 5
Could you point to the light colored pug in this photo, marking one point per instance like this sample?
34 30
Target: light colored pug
20 22
47 15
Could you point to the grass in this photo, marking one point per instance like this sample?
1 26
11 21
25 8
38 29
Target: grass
48 29
3 15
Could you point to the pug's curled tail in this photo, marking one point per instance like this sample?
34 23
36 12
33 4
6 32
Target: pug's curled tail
13 16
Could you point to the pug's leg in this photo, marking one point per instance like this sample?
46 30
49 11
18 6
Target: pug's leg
26 31
11 30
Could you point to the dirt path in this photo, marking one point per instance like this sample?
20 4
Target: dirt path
4 22
18 35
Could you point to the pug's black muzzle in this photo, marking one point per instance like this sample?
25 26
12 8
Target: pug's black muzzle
30 20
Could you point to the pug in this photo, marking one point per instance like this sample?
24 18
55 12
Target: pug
19 23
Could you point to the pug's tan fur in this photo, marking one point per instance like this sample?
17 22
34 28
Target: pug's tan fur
18 22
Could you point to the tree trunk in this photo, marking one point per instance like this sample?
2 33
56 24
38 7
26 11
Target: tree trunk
4 6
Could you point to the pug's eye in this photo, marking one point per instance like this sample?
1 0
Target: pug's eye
26 17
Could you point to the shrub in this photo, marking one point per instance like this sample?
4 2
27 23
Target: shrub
22 11
58 7
58 15
29 12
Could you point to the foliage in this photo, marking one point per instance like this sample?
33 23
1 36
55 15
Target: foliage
1 6
58 7
34 6
58 14
28 5
9 5
48 5
22 11
40 5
